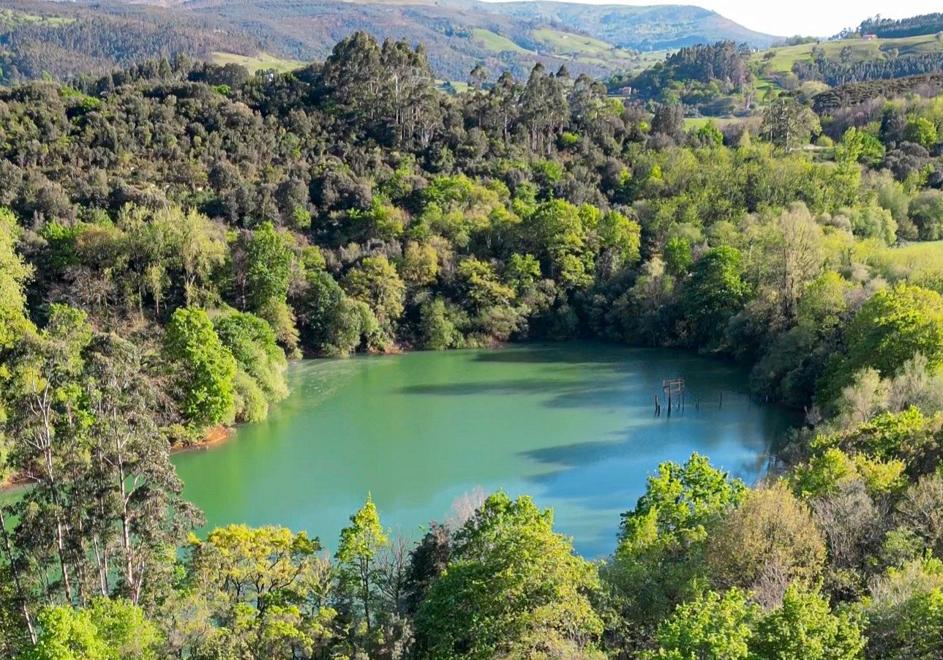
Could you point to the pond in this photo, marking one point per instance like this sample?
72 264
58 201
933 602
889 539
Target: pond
572 425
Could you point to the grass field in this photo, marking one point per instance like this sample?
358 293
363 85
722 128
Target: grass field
567 42
719 122
582 48
495 42
457 86
859 49
570 46
258 62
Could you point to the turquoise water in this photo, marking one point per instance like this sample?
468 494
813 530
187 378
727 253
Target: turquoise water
572 425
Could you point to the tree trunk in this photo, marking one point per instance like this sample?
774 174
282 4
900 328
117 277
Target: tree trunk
46 449
365 581
125 521
16 579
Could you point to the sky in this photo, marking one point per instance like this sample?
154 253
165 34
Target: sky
819 18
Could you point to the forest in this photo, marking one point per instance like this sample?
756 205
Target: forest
905 27
39 39
839 73
65 39
173 234
699 70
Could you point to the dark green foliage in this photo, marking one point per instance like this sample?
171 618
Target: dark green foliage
332 323
836 72
74 40
788 124
695 73
268 268
926 211
904 27
852 94
437 332
715 292
85 414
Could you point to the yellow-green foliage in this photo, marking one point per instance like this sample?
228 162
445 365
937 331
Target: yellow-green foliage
537 594
261 363
13 275
825 473
107 629
921 263
892 327
11 17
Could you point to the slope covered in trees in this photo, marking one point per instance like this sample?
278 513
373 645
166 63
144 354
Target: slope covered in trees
175 232
849 58
63 40
905 27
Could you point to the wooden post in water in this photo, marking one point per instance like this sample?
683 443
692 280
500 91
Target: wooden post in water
671 387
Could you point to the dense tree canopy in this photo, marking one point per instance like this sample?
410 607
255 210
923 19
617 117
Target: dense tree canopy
892 327
173 234
512 586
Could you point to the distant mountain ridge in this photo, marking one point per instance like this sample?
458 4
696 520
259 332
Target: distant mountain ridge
457 34
642 27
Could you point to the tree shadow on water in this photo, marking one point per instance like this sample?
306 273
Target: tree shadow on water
632 395
612 473
508 387
587 353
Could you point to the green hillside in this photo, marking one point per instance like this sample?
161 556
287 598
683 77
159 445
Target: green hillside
569 48
495 42
782 59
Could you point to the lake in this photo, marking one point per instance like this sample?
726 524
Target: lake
571 424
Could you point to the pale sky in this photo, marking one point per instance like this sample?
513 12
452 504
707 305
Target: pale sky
820 18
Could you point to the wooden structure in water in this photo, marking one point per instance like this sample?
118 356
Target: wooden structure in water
673 394
673 390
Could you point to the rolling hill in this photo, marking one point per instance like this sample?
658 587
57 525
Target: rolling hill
646 28
64 39
781 60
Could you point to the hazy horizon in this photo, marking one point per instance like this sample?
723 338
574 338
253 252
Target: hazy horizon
821 19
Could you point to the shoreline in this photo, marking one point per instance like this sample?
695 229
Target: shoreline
215 435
